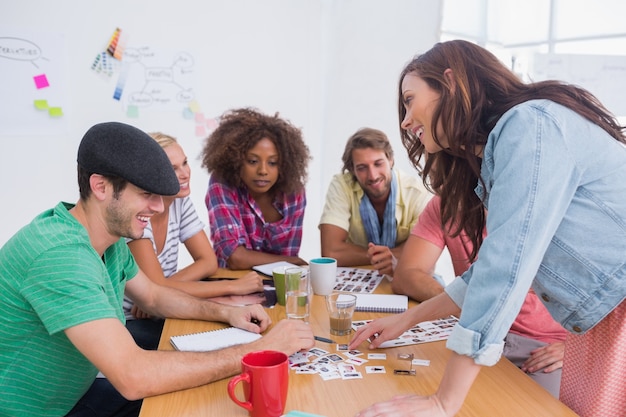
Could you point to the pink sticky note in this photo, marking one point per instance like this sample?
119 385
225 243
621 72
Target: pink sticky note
200 131
211 124
41 81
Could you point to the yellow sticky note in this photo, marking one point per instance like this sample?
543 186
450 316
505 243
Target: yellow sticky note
55 112
194 106
41 104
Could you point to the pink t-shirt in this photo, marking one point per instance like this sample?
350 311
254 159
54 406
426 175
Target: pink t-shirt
533 320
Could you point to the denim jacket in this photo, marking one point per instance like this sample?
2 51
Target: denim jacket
555 190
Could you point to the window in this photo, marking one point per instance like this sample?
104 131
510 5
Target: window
521 33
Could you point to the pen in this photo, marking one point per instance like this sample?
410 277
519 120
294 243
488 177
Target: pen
323 339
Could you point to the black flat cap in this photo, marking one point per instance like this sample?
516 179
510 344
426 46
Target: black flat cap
121 150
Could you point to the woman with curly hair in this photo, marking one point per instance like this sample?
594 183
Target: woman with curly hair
256 196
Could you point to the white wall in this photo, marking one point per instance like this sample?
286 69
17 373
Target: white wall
329 66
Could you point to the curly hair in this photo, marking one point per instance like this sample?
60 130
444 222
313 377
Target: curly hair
485 90
239 130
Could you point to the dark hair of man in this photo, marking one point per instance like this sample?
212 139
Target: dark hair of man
365 138
239 131
484 89
84 188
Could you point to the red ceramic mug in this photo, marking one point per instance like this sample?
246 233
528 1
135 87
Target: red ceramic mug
265 375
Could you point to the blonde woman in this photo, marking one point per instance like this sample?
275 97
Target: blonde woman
156 252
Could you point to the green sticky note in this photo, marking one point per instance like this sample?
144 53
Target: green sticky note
55 112
132 111
41 104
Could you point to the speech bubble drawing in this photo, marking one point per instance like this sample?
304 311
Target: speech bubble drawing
19 49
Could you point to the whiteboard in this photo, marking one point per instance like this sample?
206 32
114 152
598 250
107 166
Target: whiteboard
602 75
328 66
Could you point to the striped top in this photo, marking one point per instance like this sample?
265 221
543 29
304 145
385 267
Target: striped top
51 279
183 223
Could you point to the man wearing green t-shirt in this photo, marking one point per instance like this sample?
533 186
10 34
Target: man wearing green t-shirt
62 281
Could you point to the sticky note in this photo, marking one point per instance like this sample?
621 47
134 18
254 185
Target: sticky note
187 113
55 112
41 81
199 118
41 104
194 106
132 111
211 123
200 131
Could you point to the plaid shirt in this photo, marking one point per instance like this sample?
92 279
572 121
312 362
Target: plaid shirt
236 220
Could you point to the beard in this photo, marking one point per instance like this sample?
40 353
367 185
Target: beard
377 193
120 220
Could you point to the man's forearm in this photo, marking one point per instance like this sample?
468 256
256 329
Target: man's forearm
173 303
178 370
347 254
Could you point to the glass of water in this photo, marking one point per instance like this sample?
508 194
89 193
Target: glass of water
297 294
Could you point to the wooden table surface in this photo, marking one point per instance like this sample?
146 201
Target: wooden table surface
501 390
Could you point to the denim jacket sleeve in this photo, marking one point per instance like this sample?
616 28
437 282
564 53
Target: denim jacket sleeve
533 167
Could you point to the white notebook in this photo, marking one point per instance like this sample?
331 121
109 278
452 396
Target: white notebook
213 340
267 269
382 303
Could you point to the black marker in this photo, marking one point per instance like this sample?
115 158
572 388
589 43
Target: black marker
323 339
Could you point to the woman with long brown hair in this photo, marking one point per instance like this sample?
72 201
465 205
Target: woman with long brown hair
548 162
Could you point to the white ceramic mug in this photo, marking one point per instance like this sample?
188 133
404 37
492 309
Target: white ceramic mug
323 272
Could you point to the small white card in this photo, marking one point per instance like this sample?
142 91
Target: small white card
380 356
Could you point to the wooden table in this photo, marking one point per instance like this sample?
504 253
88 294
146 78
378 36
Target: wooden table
501 390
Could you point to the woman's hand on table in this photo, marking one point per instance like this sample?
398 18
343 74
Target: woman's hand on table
289 337
379 331
406 405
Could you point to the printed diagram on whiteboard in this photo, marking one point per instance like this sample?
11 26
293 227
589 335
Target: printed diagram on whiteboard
155 80
32 86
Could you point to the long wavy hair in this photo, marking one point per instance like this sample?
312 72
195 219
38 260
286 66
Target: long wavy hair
484 89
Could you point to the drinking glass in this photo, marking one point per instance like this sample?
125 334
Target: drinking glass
340 309
297 294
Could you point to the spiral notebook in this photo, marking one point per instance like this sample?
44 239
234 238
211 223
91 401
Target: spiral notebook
382 303
213 340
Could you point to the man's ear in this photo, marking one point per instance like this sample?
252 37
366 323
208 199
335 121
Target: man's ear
448 74
98 186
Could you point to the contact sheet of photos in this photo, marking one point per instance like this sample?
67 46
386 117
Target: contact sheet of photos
427 331
357 280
